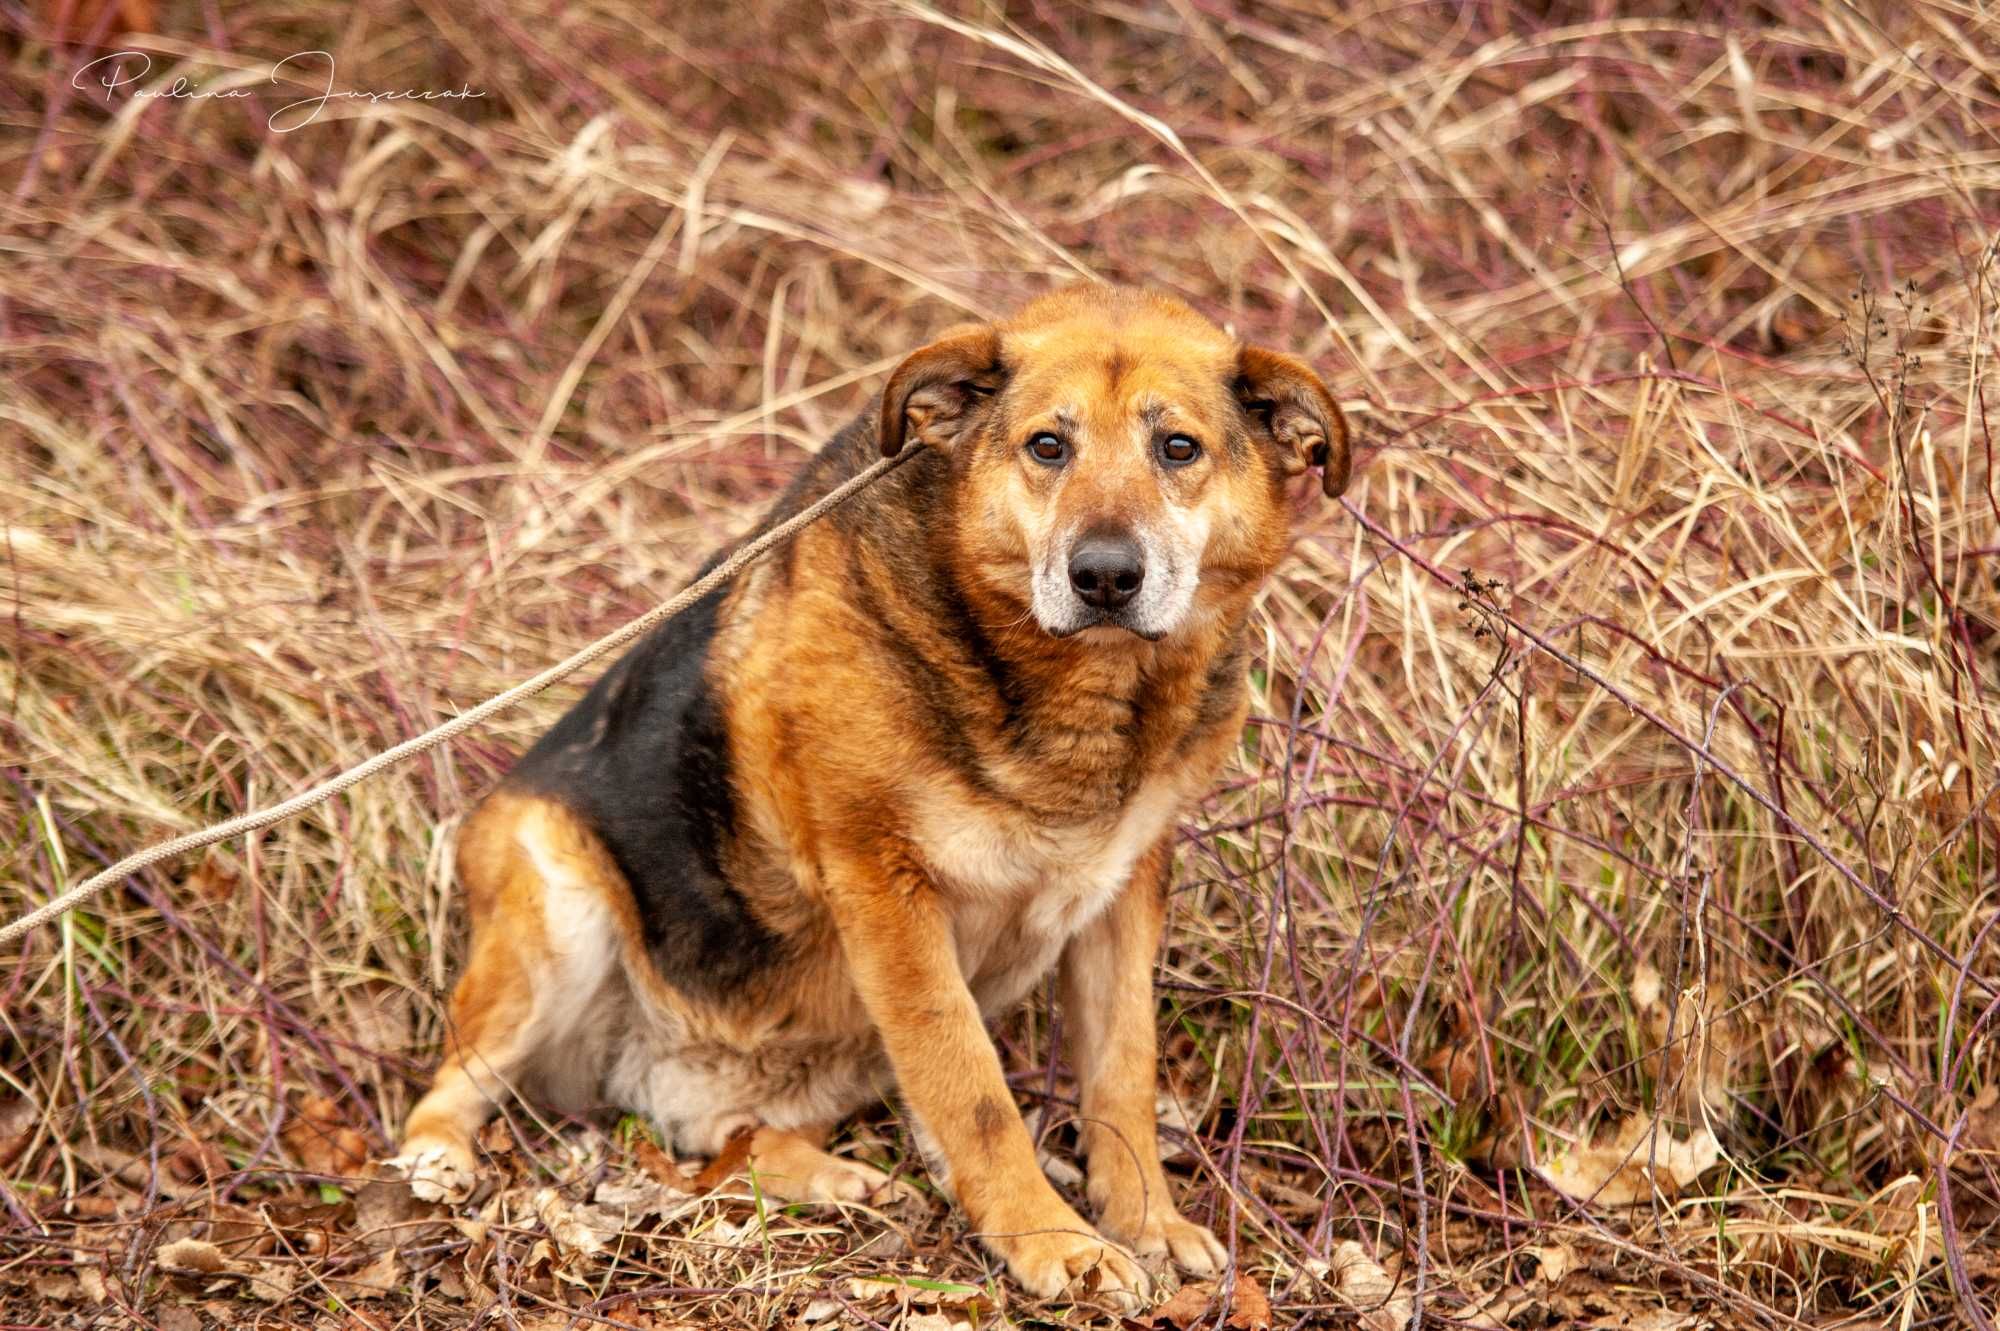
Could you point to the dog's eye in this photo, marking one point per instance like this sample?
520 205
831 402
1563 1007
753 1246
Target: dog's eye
1048 448
1177 450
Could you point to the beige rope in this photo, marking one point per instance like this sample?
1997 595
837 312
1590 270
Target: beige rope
464 721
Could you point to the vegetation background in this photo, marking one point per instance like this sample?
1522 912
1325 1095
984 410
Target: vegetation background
1598 927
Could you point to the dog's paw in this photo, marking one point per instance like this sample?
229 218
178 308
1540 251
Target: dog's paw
793 1169
1164 1233
1069 1257
435 1171
842 1180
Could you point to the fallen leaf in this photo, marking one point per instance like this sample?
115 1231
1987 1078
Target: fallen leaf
17 1128
1368 1289
196 1162
660 1166
632 1199
381 1207
90 1278
1640 1157
497 1137
1194 1303
1645 986
1186 1308
1651 1319
734 1155
191 1257
575 1229
1982 1128
320 1139
731 1235
271 1282
377 1280
1552 1263
1491 1312
213 880
1249 1306
178 1317
55 1286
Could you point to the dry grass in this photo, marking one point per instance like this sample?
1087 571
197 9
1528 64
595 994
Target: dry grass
1669 337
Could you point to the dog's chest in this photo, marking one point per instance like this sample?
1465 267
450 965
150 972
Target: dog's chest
1019 888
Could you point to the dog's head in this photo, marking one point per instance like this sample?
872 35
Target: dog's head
1119 461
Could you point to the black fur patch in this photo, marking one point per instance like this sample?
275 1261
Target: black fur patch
643 760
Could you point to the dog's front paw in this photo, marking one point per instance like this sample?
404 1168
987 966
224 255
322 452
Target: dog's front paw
1164 1232
437 1171
1061 1253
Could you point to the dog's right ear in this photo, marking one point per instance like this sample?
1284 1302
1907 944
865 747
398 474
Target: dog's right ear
938 391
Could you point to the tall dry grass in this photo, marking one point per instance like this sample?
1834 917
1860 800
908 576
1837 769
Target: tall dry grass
1624 744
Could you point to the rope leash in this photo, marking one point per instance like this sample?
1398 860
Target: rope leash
464 721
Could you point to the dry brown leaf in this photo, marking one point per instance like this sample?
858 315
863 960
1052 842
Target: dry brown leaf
214 880
1552 1263
271 1282
1648 1319
1625 1171
660 1166
1491 1312
575 1229
17 1128
191 1257
1692 1053
90 1277
633 1198
1249 1306
1193 1306
55 1286
728 1162
1186 1308
1455 1065
383 1210
1982 1127
195 1162
320 1139
379 1279
178 1317
1645 986
1368 1289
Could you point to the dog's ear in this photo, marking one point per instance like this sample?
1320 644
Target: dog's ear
1287 401
938 391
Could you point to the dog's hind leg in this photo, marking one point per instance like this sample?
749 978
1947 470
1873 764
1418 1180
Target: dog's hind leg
544 947
793 1165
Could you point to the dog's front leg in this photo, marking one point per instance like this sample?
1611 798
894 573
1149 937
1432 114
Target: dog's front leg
1107 993
897 939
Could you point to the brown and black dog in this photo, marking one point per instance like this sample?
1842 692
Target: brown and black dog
802 842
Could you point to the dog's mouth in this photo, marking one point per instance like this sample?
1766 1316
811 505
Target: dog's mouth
1115 624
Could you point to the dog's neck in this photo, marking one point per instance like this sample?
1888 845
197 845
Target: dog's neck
1070 726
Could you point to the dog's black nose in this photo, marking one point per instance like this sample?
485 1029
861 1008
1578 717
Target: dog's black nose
1106 570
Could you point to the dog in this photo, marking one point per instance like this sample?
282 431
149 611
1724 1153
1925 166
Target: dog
800 844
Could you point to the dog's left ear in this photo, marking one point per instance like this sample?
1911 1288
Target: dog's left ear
937 391
1288 402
